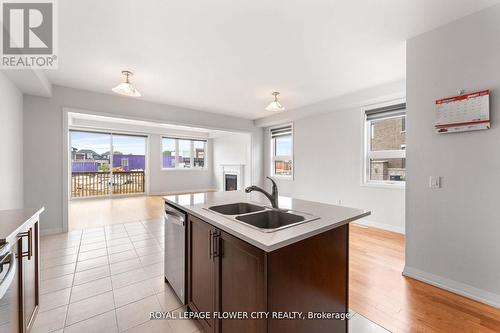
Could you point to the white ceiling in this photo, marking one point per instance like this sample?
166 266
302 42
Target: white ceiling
228 56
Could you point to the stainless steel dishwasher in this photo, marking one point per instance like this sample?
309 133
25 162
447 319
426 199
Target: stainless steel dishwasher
175 250
9 289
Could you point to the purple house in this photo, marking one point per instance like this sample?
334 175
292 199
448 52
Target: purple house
129 162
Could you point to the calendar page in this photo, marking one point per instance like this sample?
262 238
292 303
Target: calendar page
468 112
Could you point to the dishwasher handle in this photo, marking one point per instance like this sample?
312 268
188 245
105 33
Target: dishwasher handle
9 276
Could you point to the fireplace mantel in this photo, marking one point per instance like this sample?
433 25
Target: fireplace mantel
233 169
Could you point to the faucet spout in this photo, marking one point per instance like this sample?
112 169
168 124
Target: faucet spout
273 197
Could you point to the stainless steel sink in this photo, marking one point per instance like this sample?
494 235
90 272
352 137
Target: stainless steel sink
271 219
237 208
262 218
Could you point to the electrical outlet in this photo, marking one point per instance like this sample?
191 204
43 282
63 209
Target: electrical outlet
434 182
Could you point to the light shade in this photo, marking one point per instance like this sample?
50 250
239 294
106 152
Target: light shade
126 88
275 105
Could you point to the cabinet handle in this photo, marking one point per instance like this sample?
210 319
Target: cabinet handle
28 253
216 238
210 244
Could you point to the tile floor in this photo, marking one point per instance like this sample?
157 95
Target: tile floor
107 279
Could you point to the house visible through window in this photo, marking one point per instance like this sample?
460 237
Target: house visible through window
282 151
180 153
385 155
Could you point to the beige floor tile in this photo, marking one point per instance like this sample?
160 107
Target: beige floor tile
118 241
125 266
54 299
116 236
51 285
92 254
145 243
89 307
140 237
57 271
50 320
91 275
92 246
91 240
90 289
152 259
158 284
91 263
127 278
120 248
149 250
132 293
48 254
152 326
154 270
103 323
58 261
122 256
183 325
168 300
136 313
50 245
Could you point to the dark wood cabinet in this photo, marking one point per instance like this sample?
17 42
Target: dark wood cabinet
241 283
201 270
29 259
229 275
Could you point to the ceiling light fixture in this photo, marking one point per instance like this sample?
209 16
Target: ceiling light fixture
126 88
275 105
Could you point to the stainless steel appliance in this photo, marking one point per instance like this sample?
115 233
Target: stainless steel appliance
175 250
9 289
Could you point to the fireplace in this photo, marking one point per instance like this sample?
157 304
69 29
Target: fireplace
232 177
231 182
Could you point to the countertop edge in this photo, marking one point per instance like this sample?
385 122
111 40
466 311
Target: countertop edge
16 231
264 247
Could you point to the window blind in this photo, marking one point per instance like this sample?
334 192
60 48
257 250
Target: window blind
386 111
281 131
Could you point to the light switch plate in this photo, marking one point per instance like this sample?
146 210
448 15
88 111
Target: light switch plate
434 182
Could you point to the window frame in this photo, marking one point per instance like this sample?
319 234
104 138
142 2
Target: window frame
275 158
368 154
191 153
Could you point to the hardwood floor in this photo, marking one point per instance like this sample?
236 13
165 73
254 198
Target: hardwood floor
377 291
90 213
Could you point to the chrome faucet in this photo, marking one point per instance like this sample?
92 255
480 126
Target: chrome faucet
272 197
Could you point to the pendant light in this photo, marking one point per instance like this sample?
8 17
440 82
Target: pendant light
275 105
126 88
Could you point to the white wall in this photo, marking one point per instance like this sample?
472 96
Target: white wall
174 181
328 159
44 142
453 233
234 148
11 145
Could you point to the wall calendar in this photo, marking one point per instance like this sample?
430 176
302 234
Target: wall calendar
466 112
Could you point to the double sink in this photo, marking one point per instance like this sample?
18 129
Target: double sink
262 218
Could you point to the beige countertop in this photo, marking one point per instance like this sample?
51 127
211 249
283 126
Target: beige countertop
12 221
330 216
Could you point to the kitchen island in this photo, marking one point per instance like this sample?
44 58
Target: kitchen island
289 278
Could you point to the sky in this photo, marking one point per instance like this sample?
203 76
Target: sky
100 143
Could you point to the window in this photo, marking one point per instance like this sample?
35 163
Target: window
124 162
385 153
282 151
180 153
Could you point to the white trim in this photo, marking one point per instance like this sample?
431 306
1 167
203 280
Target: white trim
453 286
282 157
180 192
366 154
388 227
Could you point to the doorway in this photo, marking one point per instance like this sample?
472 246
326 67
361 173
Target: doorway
107 164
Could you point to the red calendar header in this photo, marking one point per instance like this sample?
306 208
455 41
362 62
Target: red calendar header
462 97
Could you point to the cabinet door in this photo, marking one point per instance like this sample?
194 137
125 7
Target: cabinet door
242 284
30 274
201 269
9 303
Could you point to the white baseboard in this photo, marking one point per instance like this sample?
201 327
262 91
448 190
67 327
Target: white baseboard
388 227
184 191
456 287
50 231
